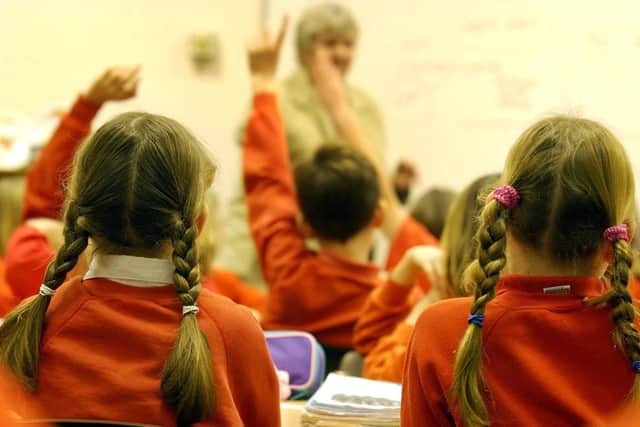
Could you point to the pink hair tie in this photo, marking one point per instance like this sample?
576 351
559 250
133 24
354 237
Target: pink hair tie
507 196
616 232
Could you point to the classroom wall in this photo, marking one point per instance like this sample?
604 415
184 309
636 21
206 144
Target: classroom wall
457 83
49 51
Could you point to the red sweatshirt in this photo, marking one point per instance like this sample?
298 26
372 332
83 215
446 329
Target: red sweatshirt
320 293
10 402
548 359
381 333
105 344
7 299
230 285
385 307
28 250
629 416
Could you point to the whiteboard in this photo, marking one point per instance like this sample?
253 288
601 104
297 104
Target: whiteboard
459 81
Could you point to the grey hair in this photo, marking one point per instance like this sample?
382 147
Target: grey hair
322 19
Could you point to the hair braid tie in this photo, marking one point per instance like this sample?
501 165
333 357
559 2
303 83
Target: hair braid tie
190 309
507 196
616 232
46 291
476 319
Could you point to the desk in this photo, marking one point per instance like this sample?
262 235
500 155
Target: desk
291 413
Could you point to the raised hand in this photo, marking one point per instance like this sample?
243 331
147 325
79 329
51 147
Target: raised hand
420 258
327 80
115 84
263 54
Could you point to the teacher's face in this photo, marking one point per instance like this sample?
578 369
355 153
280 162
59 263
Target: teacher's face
341 49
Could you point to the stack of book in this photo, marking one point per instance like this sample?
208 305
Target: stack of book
349 401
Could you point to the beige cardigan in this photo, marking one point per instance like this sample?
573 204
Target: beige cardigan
308 125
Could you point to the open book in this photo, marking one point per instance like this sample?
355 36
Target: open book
350 401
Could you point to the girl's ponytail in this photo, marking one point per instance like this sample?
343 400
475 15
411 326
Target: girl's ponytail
21 331
187 378
623 312
483 273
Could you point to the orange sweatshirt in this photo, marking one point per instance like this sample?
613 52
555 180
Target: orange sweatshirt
105 344
320 293
548 359
28 250
634 287
381 333
628 416
230 285
386 307
415 234
7 299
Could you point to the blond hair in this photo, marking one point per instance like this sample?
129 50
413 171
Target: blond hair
208 238
12 194
324 19
137 185
574 180
458 243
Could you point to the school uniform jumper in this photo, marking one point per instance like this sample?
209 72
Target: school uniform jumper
28 250
231 286
107 337
320 293
548 359
381 333
7 299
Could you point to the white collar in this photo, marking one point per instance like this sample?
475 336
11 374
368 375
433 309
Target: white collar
132 270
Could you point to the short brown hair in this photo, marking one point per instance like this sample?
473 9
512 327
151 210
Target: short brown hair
338 192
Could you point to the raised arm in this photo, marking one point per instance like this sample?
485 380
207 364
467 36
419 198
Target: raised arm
33 244
392 302
268 179
330 87
44 193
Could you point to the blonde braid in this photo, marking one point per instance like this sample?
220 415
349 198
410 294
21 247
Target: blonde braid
187 378
484 273
21 331
185 258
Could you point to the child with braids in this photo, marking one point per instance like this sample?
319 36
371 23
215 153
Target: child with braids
387 320
533 346
33 244
136 339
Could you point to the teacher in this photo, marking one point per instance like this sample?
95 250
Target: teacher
308 123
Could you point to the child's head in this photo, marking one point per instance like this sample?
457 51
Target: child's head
12 194
574 181
338 192
137 188
458 243
431 209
